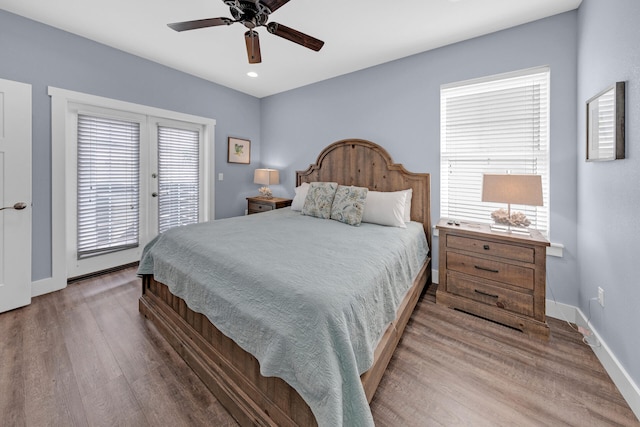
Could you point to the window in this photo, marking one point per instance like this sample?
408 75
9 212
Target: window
108 185
493 125
178 177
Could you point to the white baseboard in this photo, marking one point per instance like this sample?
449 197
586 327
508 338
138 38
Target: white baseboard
44 286
561 311
627 387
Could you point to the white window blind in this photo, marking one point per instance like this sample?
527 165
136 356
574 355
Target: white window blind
178 177
495 125
603 126
108 185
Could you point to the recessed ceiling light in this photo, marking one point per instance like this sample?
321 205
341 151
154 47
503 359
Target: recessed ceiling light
252 74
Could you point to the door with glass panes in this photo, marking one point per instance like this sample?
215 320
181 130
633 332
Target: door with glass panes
137 176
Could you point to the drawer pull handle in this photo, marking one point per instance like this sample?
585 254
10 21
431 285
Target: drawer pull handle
490 270
485 294
486 247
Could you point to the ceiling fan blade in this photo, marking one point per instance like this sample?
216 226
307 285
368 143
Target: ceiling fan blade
273 5
295 36
253 47
200 23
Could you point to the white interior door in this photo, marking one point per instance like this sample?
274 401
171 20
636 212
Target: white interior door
15 194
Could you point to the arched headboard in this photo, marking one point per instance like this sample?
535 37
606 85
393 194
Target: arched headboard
365 164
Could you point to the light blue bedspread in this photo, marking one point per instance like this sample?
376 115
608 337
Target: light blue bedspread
309 298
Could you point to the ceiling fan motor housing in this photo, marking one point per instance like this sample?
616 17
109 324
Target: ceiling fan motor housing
251 14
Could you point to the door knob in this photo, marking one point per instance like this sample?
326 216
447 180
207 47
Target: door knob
18 206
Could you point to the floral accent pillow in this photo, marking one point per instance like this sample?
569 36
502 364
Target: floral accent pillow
319 199
348 204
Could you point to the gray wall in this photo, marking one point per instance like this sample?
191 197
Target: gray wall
43 56
397 105
608 192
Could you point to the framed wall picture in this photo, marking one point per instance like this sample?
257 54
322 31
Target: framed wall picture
605 124
239 151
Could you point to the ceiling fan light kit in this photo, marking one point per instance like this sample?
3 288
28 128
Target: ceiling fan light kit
253 14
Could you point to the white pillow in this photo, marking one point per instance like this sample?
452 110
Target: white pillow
301 194
385 208
407 204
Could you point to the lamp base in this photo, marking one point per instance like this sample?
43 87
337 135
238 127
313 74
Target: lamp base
265 192
510 229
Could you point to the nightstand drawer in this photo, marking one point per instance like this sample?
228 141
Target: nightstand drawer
502 250
489 269
487 293
259 207
256 205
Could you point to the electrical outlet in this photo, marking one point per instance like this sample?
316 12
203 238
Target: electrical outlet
601 296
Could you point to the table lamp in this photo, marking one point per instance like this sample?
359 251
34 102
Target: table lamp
266 177
519 189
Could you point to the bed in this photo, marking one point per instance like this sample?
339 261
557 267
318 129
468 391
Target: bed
233 374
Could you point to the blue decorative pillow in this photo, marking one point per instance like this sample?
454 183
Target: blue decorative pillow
348 204
319 199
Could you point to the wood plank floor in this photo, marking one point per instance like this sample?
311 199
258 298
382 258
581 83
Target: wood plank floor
85 356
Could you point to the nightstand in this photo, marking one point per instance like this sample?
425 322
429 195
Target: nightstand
261 204
496 275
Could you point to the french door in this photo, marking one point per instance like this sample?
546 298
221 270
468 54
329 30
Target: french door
135 176
177 179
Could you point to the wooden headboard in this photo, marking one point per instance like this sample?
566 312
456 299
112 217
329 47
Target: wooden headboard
365 164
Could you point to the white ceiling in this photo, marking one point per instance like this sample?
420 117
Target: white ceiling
357 33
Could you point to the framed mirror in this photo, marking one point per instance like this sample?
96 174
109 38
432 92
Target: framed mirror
605 124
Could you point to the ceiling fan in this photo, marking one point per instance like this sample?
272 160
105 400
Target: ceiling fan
253 14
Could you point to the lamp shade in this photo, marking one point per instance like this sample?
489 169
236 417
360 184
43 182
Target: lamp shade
517 189
266 176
